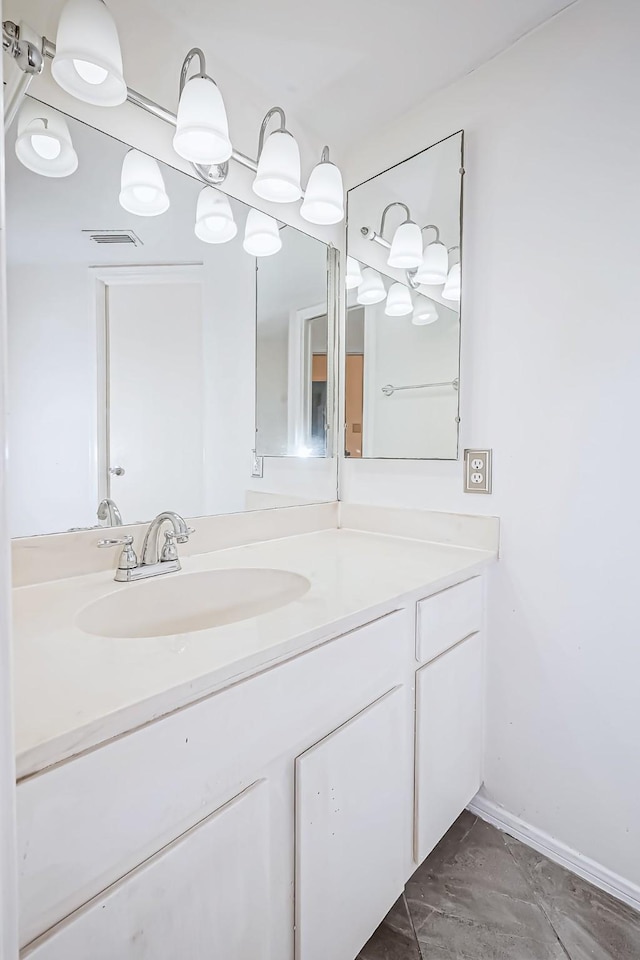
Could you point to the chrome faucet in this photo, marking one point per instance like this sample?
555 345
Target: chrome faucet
153 562
108 510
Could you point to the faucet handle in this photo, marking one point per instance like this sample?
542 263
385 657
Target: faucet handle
128 559
125 541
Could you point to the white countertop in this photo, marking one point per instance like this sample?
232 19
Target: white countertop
73 690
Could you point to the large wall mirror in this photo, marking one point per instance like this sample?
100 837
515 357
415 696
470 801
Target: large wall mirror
150 354
403 279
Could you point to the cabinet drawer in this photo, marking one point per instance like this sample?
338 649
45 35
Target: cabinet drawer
448 617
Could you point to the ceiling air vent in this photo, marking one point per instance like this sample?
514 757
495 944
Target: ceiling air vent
120 237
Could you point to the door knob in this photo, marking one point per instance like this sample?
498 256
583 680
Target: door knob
116 471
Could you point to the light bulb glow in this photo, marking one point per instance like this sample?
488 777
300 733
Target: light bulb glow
142 189
435 265
324 198
46 147
202 129
261 235
88 59
406 247
43 143
214 217
453 286
278 175
399 302
353 276
372 289
90 72
424 312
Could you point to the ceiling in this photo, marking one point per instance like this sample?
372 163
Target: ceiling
345 66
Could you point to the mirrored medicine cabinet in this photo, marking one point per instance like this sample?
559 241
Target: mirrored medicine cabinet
403 291
146 360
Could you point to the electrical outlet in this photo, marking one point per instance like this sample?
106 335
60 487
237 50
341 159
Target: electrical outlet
477 471
257 467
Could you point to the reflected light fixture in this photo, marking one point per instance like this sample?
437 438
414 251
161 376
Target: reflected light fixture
261 234
399 302
88 60
214 217
453 287
406 247
435 261
372 289
142 189
353 276
278 174
202 129
424 312
43 144
324 197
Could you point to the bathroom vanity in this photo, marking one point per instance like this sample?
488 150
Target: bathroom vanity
260 788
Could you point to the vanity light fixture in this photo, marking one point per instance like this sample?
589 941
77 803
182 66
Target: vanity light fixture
324 197
88 60
261 234
424 312
453 286
434 267
405 250
399 302
142 189
43 144
214 217
372 289
202 129
353 276
278 174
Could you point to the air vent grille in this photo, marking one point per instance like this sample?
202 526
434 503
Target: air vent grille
121 237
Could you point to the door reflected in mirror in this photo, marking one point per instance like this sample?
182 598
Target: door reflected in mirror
403 292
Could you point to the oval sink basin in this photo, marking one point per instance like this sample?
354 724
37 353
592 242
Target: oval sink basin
185 603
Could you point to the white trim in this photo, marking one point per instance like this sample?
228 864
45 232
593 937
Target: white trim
299 374
591 871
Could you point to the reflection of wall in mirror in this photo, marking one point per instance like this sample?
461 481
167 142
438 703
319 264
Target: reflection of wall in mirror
412 423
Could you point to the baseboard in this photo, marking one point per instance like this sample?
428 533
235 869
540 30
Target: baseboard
557 851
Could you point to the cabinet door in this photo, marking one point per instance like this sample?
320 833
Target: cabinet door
204 896
449 737
352 829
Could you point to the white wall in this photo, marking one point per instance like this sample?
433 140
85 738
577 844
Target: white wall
551 381
8 887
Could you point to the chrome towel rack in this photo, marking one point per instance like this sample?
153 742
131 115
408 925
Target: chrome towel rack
389 389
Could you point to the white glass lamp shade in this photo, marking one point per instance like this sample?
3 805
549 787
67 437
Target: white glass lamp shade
278 175
424 312
406 247
399 302
202 129
88 60
435 265
44 143
324 197
214 217
372 289
353 278
261 235
452 288
142 189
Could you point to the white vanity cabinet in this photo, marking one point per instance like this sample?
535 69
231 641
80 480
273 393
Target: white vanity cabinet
353 824
207 894
276 819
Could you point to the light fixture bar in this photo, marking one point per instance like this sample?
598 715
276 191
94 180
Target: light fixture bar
25 54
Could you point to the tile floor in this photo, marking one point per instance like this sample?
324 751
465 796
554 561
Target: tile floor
483 896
